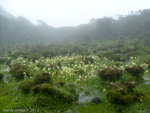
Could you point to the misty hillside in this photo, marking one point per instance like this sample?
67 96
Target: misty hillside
20 29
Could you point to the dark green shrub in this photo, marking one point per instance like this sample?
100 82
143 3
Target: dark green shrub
123 93
65 51
100 48
77 49
88 60
34 56
47 89
131 54
45 101
18 71
115 96
64 97
118 94
72 90
48 53
112 56
130 85
107 54
135 70
138 96
128 77
125 50
117 57
24 54
1 76
25 86
118 46
110 74
62 83
117 51
36 89
43 78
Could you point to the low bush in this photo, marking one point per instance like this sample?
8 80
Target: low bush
36 89
110 74
43 78
24 54
115 96
107 54
34 56
19 71
77 49
88 60
112 56
135 70
25 86
130 85
1 76
100 48
123 93
128 77
62 83
47 89
117 57
64 97
48 53
45 101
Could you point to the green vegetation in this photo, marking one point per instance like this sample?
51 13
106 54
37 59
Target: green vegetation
106 59
64 83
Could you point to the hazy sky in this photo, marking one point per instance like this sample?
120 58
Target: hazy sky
71 12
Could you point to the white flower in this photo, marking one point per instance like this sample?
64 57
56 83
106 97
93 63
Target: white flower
104 90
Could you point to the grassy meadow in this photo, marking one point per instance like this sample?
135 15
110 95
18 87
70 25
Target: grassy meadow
66 77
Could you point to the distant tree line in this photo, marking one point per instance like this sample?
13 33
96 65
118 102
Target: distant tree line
21 30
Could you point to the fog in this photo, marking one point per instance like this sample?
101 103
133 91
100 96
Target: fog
58 13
